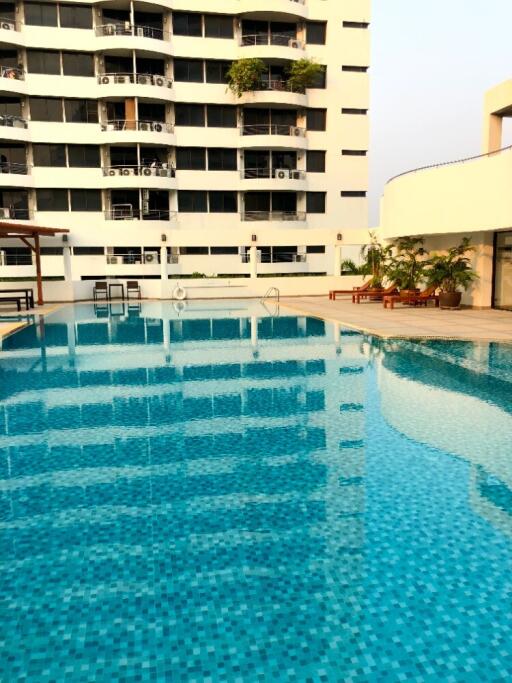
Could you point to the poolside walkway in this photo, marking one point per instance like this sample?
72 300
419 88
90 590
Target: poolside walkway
469 324
8 326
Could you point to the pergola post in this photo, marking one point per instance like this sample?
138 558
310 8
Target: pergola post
40 301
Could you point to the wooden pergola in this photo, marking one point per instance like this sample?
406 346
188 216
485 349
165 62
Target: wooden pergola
24 233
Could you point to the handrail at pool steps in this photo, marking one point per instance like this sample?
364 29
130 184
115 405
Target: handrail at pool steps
272 291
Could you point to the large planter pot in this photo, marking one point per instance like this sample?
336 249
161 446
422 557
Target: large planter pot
450 300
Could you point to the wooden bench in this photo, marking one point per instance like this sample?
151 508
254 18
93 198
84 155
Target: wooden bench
12 299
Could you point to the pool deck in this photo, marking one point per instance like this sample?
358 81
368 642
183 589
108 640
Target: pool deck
6 327
406 322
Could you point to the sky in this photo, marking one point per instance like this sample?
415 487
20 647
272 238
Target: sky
431 64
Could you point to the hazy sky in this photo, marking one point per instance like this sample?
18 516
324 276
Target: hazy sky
431 64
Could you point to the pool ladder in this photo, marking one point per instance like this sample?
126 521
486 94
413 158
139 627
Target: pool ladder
271 291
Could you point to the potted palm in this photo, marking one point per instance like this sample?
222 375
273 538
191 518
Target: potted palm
407 266
374 262
452 272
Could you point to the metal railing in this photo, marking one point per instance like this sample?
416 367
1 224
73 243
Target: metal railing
273 215
271 291
277 173
162 170
124 124
9 24
127 258
12 167
139 79
13 213
12 72
278 84
13 121
125 212
272 129
280 39
127 29
16 260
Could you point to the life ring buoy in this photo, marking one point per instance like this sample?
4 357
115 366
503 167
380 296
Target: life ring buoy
179 293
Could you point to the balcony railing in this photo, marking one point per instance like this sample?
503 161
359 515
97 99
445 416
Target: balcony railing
279 257
127 29
281 39
133 259
156 170
139 79
9 24
278 84
272 129
274 216
16 260
123 124
126 212
12 72
13 213
12 121
11 167
277 173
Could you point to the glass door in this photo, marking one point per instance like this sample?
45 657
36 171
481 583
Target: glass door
503 271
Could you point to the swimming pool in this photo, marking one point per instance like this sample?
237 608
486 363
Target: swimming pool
226 492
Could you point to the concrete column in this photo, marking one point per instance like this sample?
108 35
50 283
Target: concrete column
493 133
66 253
164 275
481 293
337 260
254 261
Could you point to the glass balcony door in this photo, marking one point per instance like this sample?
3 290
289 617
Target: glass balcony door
503 271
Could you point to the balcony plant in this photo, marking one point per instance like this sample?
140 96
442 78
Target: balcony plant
452 272
245 75
407 265
302 74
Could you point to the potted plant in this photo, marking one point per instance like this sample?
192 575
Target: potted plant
452 272
407 266
302 74
245 75
374 261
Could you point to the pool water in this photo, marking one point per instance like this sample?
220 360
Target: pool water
226 492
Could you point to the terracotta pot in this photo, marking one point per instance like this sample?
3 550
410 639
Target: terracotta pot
450 300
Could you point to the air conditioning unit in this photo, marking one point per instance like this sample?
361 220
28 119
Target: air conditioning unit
6 26
105 79
159 80
143 80
119 79
293 42
112 260
281 173
295 175
151 257
145 208
158 127
299 258
112 171
144 125
140 31
3 258
147 171
296 131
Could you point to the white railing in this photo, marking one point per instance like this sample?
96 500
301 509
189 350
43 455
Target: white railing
13 213
126 212
156 170
272 129
12 167
280 39
123 124
274 216
139 79
13 121
277 173
127 29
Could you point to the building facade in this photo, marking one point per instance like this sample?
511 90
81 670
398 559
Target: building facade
117 123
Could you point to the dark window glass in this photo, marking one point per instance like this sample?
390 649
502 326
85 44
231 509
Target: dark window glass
45 109
10 106
77 64
353 193
186 24
75 16
10 58
88 251
43 62
85 200
350 110
8 11
84 156
189 114
224 251
321 79
315 202
194 251
355 69
190 158
52 251
316 32
353 152
189 70
41 14
81 111
192 201
221 116
315 161
52 200
222 159
49 155
216 71
223 202
316 119
315 249
355 24
218 26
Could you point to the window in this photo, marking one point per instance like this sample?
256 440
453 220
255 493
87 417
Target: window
51 251
81 111
355 24
218 26
315 249
43 62
190 159
75 16
41 14
10 106
192 201
189 114
49 155
88 251
77 64
84 156
189 70
222 159
315 161
224 251
187 24
221 116
193 251
315 202
52 200
223 202
45 109
85 200
353 193
320 79
316 32
355 69
351 110
217 71
353 152
316 119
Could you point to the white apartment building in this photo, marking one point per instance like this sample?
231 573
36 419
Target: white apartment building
116 122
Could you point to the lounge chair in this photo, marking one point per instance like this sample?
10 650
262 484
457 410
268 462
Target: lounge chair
334 292
100 291
420 299
374 294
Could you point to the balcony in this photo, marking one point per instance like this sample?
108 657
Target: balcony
275 91
15 168
274 39
13 121
15 214
273 179
275 173
126 212
279 216
12 72
272 129
127 29
134 79
146 126
272 256
9 24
